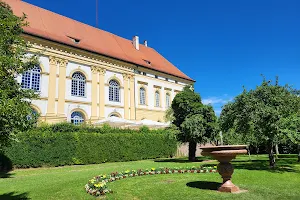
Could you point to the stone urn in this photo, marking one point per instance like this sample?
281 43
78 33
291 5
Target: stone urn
224 154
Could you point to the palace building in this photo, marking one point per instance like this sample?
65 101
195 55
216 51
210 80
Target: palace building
87 74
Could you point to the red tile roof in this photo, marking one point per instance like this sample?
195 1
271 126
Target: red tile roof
52 26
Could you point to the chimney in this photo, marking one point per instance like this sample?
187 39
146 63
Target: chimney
146 43
135 41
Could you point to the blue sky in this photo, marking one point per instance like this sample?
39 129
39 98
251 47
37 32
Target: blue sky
223 45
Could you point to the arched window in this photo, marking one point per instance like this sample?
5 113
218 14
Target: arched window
114 115
168 100
157 99
31 79
78 84
77 118
142 96
114 91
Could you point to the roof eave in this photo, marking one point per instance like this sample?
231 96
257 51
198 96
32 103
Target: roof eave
91 51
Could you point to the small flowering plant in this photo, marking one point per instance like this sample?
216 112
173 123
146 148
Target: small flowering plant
98 185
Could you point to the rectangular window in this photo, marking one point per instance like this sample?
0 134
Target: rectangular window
157 99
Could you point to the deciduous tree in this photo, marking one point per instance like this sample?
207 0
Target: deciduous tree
258 113
15 111
197 122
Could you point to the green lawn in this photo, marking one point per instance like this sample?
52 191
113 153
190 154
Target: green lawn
68 182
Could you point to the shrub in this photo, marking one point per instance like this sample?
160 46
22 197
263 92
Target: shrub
57 145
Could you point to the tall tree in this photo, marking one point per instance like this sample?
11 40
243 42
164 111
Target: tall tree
15 111
257 113
197 122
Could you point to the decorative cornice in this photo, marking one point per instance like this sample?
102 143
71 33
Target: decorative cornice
142 83
50 48
114 106
63 50
157 86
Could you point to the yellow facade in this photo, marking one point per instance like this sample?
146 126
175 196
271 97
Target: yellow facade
56 106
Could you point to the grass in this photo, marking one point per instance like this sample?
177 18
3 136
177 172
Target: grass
68 182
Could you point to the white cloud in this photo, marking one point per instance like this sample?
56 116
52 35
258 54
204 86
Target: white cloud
216 100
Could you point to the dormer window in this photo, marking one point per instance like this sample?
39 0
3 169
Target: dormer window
75 40
148 62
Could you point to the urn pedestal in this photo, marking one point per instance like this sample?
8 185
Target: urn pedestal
224 154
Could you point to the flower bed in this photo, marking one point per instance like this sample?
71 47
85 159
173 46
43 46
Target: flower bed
98 185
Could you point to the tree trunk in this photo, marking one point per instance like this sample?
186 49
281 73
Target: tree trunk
192 151
276 150
271 155
298 152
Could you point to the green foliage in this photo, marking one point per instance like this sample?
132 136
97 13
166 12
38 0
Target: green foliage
290 128
14 102
144 129
261 115
194 129
196 122
183 105
45 147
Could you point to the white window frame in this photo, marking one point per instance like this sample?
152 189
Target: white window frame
77 91
142 96
77 120
36 71
157 99
114 91
168 100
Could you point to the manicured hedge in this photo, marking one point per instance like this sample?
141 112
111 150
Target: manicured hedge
45 147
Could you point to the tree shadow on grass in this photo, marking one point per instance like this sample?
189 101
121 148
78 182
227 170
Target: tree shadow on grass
282 165
5 175
14 196
5 166
204 185
184 160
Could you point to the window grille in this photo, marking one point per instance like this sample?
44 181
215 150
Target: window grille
78 84
77 118
114 91
31 79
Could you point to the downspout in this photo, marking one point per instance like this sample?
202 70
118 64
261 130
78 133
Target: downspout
134 100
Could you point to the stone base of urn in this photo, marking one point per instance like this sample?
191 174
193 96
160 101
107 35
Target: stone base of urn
228 186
